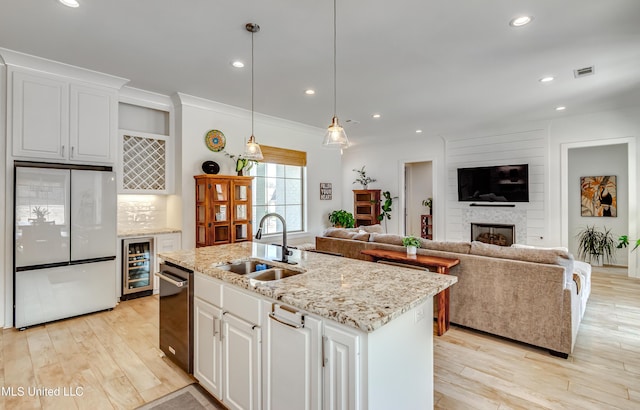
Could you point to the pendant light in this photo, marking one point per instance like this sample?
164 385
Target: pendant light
335 136
252 150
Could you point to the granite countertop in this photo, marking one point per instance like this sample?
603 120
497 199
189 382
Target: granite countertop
132 232
360 294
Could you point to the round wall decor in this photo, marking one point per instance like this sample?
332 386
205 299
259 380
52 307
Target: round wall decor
215 140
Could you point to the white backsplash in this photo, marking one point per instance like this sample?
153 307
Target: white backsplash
490 215
142 211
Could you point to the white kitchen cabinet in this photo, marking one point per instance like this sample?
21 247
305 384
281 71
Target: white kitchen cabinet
57 118
207 366
341 359
242 364
165 242
292 359
227 351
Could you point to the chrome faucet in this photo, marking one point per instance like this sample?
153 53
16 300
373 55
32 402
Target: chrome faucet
285 251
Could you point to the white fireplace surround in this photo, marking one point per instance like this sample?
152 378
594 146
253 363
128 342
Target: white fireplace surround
504 216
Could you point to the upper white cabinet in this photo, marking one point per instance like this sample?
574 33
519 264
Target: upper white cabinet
59 118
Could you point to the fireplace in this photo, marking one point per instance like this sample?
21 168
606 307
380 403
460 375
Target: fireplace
496 234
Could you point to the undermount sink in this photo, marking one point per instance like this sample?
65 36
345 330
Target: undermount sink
243 268
274 274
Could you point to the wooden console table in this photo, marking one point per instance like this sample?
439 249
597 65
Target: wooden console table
442 266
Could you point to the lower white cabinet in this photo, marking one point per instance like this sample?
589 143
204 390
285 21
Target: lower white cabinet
227 347
165 242
292 360
207 366
341 379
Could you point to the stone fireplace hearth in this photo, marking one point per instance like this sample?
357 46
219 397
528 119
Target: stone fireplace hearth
495 234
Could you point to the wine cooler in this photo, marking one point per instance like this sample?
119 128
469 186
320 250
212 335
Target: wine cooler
137 268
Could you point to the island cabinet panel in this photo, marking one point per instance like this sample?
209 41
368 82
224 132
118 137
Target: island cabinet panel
292 359
227 351
341 359
207 346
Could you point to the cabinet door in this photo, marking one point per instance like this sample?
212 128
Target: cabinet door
241 346
241 204
207 359
341 369
40 116
164 243
93 124
294 369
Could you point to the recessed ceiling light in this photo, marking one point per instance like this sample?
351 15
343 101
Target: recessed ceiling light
70 3
418 131
376 115
237 64
561 108
547 79
310 91
521 21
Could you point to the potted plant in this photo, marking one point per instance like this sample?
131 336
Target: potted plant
385 209
428 203
623 242
342 219
363 179
596 246
412 243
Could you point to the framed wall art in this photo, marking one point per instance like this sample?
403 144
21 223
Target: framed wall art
598 196
326 191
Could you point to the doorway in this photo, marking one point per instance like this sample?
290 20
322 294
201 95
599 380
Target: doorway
418 186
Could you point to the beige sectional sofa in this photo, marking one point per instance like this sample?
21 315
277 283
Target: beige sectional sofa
525 294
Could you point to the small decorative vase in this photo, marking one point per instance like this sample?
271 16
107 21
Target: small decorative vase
411 250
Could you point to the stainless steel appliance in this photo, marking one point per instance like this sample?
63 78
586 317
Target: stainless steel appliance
137 267
65 241
176 320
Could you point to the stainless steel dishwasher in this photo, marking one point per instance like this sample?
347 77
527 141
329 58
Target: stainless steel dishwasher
176 318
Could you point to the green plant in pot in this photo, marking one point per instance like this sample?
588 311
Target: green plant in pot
623 242
412 243
385 209
595 246
428 203
342 219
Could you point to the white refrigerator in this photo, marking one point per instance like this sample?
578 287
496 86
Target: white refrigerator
65 241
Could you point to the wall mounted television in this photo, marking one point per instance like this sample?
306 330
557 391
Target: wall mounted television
500 183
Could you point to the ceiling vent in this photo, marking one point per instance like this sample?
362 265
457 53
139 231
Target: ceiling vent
581 72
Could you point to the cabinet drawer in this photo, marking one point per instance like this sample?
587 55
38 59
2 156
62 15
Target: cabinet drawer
242 305
207 289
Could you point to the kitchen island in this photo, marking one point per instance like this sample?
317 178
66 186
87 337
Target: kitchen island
386 310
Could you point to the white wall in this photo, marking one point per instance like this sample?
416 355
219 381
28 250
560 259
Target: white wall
594 161
385 162
6 238
197 116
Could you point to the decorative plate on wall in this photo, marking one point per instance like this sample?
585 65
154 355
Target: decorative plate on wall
215 140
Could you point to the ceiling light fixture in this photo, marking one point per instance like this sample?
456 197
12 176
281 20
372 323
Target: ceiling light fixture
547 79
561 108
335 136
418 131
309 91
521 21
70 3
376 115
237 64
252 150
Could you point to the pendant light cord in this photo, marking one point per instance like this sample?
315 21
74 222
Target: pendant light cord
335 76
252 64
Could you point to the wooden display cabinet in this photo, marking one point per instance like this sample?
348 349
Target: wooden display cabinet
426 226
366 206
223 209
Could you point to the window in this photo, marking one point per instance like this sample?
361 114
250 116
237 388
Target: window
278 186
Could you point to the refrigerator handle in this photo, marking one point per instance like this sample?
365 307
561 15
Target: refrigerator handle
172 281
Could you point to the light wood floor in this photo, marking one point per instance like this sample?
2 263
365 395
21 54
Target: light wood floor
114 357
477 371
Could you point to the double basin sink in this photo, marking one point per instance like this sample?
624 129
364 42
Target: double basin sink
258 271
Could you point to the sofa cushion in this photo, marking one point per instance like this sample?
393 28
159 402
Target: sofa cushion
555 248
346 234
386 238
549 256
377 228
455 247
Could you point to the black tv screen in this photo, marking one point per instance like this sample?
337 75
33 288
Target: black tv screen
501 183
